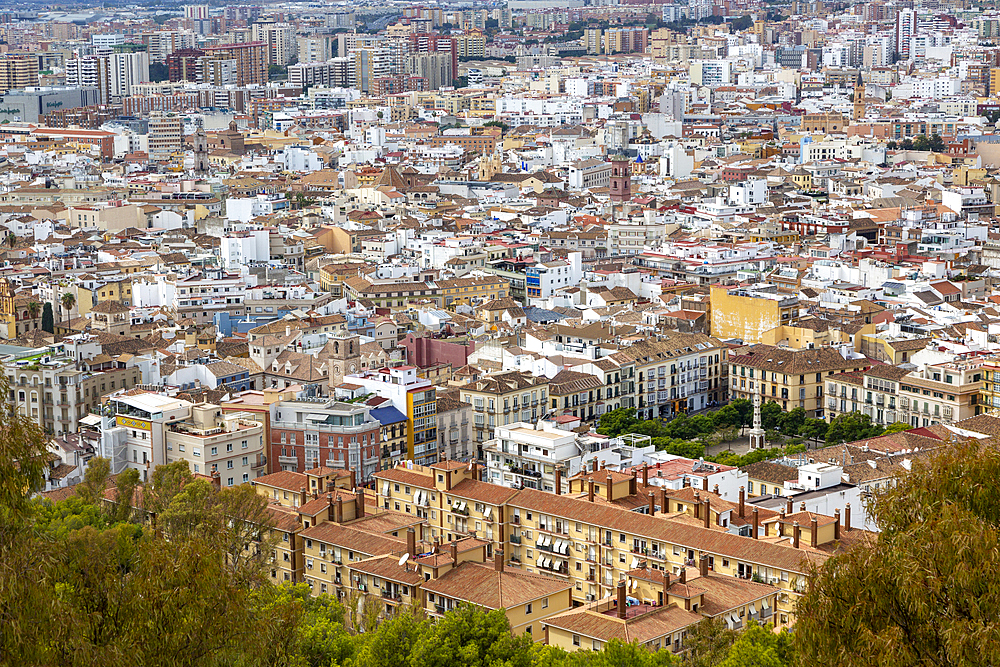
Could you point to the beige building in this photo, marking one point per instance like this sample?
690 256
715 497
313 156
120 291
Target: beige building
212 442
504 398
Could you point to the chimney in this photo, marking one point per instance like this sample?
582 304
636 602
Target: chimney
652 503
836 524
330 486
590 490
813 530
685 483
796 532
303 495
330 510
411 542
621 599
354 478
217 481
645 474
697 505
340 509
788 507
447 480
610 489
756 523
498 560
716 490
663 499
359 503
707 513
703 565
453 548
802 507
684 574
558 482
632 485
847 517
743 499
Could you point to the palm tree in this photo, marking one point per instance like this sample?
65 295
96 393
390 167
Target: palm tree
34 308
11 239
68 301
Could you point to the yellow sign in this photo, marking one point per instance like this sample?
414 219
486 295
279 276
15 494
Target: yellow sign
128 422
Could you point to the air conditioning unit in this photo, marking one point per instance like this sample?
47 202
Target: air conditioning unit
590 597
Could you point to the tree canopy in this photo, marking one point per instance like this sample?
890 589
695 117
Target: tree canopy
924 592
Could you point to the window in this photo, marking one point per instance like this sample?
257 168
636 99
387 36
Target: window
229 481
527 609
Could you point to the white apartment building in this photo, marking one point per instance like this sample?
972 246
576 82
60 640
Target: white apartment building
243 247
127 70
143 431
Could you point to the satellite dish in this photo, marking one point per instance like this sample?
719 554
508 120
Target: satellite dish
402 559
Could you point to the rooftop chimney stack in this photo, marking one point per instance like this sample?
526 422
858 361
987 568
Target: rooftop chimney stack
707 513
684 574
716 490
411 542
498 560
590 490
796 532
847 517
609 492
663 499
558 482
788 507
813 530
621 599
453 548
645 474
340 509
652 503
756 523
703 565
743 499
836 524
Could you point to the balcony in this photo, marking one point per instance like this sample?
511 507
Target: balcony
515 539
389 595
463 511
261 462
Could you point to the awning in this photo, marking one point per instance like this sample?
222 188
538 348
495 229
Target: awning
416 497
541 560
316 417
385 488
764 604
486 512
558 546
635 563
90 420
753 607
548 541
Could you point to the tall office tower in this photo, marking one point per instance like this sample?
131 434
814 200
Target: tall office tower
316 48
280 40
906 27
368 65
126 70
197 17
162 43
434 68
182 65
251 60
18 70
165 136
90 72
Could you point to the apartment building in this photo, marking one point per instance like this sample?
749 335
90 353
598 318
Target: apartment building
412 396
202 296
504 398
929 394
791 378
678 372
594 540
165 136
18 70
251 60
307 433
59 385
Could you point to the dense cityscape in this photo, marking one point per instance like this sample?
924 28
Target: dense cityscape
525 332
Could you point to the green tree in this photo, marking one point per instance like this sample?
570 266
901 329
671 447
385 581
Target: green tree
497 123
744 22
814 429
937 143
473 637
725 416
95 479
896 427
758 646
851 427
67 300
33 309
617 421
460 82
393 642
708 643
924 592
791 422
48 321
158 72
126 495
770 414
921 143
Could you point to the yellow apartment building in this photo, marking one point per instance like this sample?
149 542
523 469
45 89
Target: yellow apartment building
748 316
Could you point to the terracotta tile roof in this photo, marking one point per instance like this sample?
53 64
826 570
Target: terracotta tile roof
284 479
481 584
353 539
653 624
